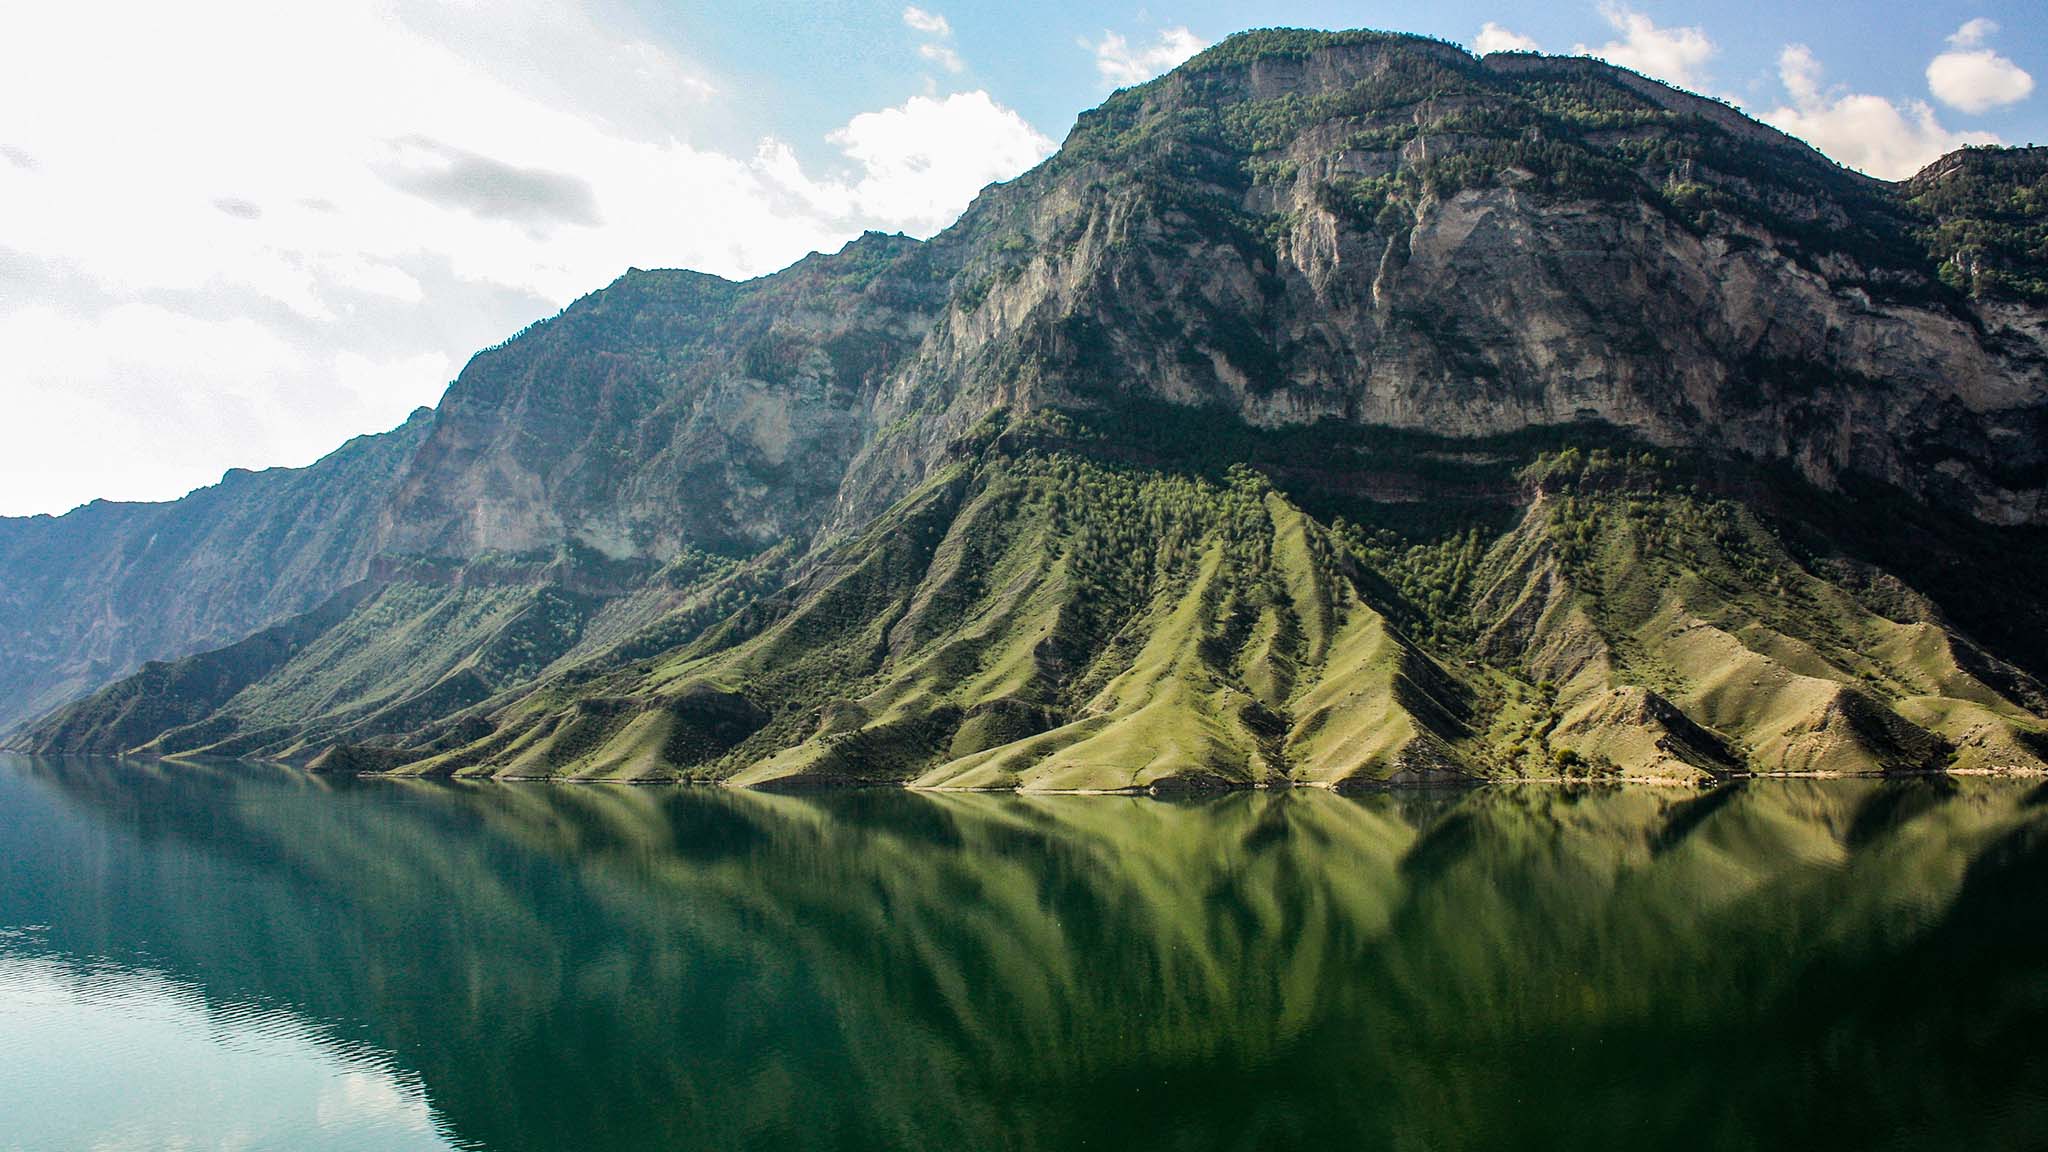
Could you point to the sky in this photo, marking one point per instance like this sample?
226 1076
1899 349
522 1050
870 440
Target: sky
234 233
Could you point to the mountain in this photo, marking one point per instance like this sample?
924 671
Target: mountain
86 597
1337 408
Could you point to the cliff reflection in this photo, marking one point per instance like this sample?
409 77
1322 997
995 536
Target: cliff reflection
1794 963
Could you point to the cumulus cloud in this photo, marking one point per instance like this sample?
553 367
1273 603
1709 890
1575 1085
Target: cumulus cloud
925 159
1862 131
224 247
1123 65
918 162
1674 55
1973 78
1494 38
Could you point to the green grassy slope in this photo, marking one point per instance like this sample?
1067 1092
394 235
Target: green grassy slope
413 653
391 657
1030 619
1042 618
1072 605
169 694
1668 632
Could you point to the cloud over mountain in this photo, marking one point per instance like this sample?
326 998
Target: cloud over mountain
1123 64
1865 132
1674 55
1973 78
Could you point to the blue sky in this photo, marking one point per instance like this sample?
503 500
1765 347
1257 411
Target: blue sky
235 232
800 66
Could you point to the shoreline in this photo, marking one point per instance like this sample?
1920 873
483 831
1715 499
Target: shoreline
1175 792
1169 791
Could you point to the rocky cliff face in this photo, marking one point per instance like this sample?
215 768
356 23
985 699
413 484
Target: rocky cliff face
671 411
88 596
1316 240
1387 232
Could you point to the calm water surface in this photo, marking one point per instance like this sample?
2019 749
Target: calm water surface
202 957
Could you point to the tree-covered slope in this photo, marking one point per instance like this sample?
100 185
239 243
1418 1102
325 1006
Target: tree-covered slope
1077 606
1986 213
1042 618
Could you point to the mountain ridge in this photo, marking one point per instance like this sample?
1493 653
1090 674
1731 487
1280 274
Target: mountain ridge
1332 241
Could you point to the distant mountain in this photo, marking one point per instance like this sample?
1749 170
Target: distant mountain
88 596
1336 408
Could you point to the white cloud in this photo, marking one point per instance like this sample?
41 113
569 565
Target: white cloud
919 162
1674 55
942 55
930 23
1122 65
936 50
139 401
926 159
1972 77
570 57
1866 132
1494 38
1973 33
224 229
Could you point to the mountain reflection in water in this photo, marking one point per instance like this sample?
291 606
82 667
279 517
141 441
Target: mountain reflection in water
1796 964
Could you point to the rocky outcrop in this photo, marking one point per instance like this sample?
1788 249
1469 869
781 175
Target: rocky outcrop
1388 233
671 411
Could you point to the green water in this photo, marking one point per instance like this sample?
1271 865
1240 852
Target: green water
202 957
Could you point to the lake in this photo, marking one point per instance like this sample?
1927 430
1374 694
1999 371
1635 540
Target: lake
248 957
